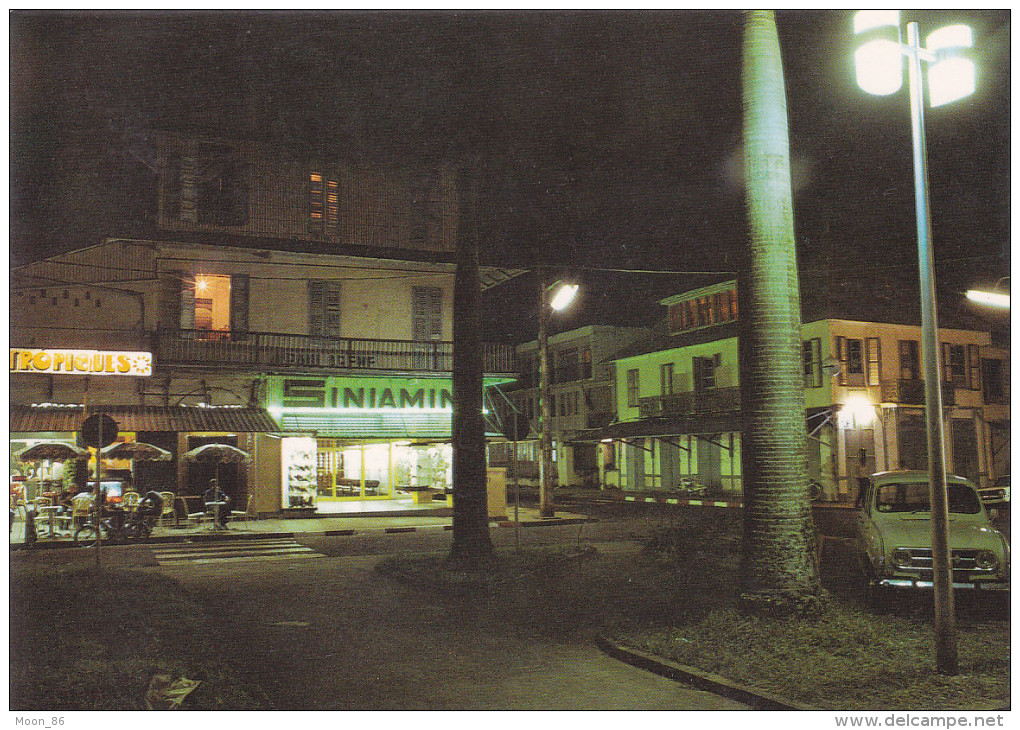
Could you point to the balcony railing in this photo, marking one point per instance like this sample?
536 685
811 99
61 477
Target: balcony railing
714 400
266 350
911 392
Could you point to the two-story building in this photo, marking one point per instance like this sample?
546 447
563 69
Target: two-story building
678 402
581 392
299 310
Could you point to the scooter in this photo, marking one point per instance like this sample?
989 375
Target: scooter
116 528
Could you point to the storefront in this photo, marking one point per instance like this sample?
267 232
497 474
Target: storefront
373 438
175 429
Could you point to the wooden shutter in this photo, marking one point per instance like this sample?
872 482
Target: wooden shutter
324 308
170 299
973 367
187 295
239 285
426 313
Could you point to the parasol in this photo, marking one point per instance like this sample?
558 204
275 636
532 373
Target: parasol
51 451
217 454
136 451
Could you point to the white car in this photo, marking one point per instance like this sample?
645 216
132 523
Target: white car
894 534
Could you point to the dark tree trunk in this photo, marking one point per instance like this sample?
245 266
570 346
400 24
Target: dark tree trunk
472 545
779 570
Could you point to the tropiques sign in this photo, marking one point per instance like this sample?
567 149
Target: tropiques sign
80 362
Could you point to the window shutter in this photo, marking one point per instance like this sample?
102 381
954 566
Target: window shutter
187 298
316 297
170 289
974 367
239 284
324 308
426 313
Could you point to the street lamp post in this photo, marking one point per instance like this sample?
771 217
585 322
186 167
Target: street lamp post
560 300
879 71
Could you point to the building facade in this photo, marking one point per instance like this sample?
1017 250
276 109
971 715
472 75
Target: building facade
332 370
678 402
581 390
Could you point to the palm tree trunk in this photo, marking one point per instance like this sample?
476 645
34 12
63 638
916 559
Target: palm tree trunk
471 542
779 570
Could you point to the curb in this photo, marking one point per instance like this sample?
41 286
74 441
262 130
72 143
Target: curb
215 537
755 698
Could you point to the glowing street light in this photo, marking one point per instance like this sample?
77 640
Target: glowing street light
563 296
951 76
557 296
988 298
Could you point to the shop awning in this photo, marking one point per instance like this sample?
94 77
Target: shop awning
182 419
669 426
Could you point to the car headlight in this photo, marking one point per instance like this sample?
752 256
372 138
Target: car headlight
986 560
901 558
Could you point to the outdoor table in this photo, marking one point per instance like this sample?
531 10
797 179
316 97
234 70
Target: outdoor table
51 512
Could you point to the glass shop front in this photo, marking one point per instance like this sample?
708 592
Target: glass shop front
375 438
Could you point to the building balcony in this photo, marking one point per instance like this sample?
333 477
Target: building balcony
911 392
267 351
715 400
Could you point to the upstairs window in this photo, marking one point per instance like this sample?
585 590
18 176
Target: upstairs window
633 387
994 383
666 378
208 183
567 370
812 351
705 372
910 360
586 363
954 365
323 203
703 311
850 353
873 353
426 313
324 308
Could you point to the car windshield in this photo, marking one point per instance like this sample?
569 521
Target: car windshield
913 497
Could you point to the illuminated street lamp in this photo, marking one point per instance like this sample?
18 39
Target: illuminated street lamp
951 76
558 296
988 298
993 298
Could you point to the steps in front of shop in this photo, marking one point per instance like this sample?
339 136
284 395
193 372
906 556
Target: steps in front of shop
222 551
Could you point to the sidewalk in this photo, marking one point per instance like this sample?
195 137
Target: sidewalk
349 523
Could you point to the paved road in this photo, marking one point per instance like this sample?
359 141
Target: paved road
332 634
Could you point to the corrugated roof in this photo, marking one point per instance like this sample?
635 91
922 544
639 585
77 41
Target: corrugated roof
146 418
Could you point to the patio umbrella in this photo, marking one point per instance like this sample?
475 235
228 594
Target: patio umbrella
217 454
136 451
50 451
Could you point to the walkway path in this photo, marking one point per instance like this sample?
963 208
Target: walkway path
335 635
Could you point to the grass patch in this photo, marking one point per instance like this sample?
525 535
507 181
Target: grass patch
845 660
82 641
848 658
676 597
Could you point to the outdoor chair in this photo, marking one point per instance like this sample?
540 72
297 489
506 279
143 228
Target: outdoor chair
168 505
248 514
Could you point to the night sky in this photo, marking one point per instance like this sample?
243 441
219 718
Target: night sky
607 140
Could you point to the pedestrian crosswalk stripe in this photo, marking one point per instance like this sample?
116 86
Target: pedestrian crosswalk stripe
232 551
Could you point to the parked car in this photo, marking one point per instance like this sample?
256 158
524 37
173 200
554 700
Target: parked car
893 522
998 493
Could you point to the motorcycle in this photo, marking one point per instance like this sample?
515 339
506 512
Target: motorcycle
116 528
